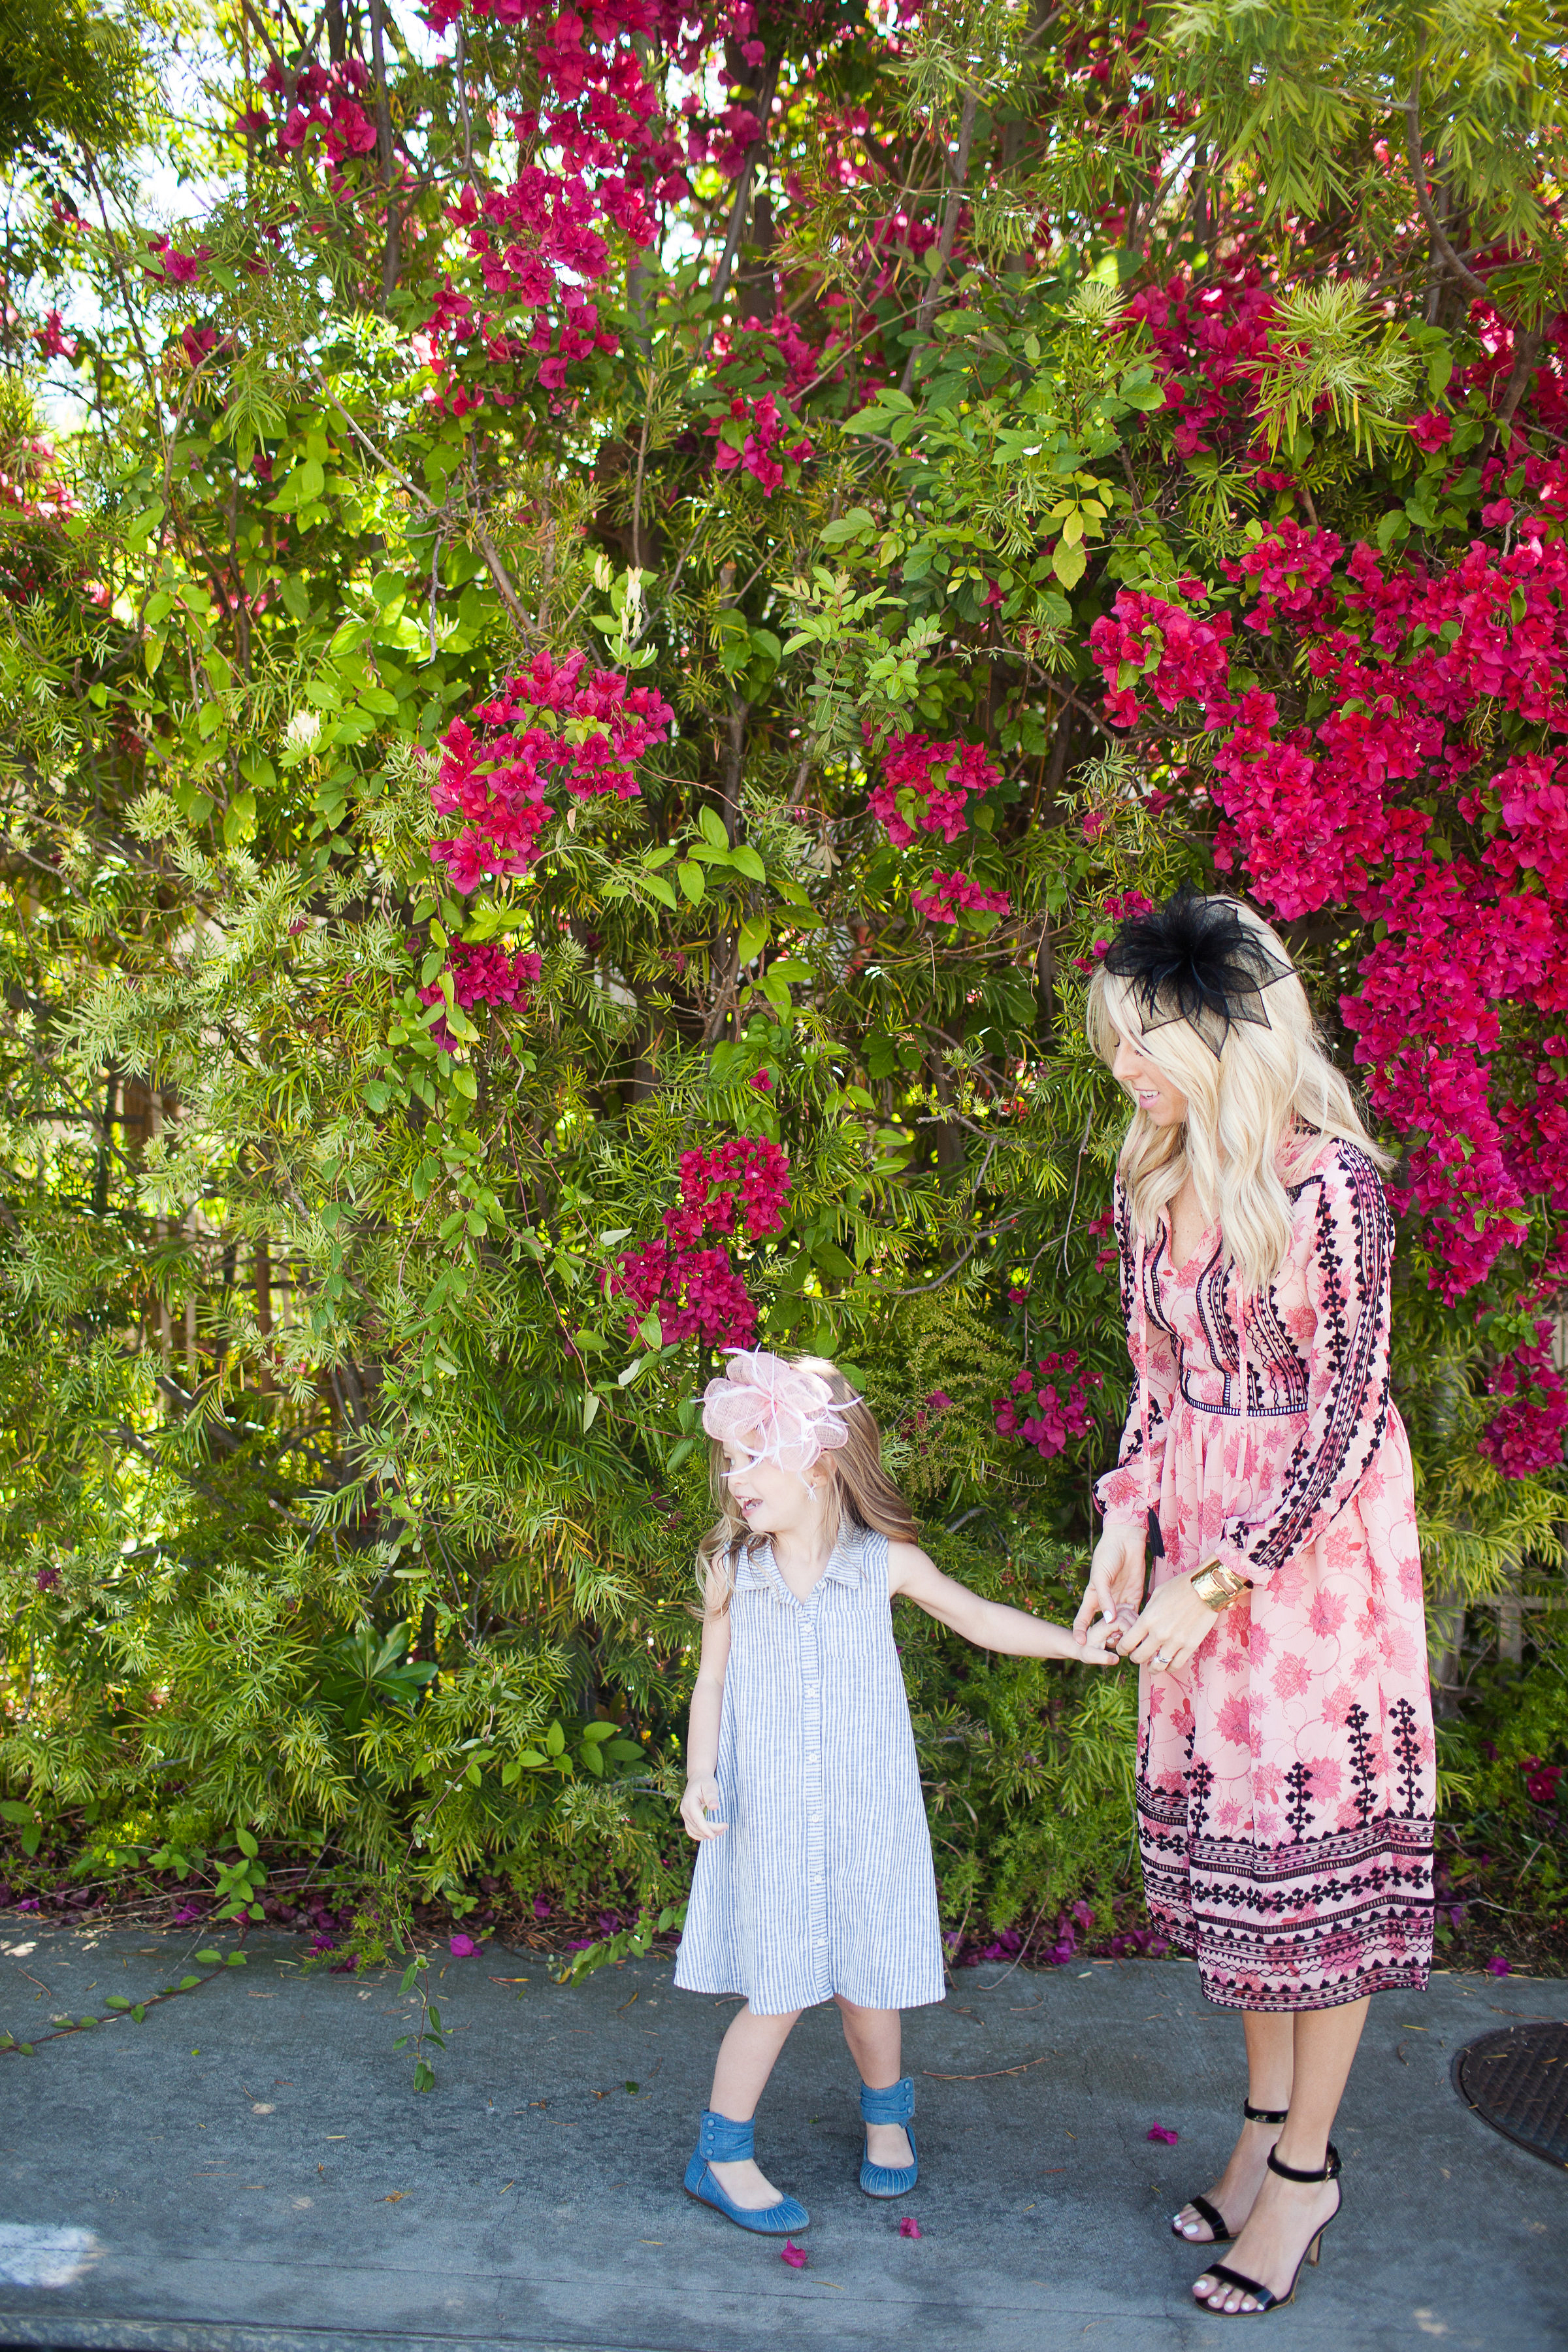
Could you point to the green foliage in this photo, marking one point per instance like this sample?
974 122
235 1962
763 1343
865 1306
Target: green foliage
67 75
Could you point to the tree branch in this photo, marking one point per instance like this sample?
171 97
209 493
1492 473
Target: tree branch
927 310
1440 234
743 195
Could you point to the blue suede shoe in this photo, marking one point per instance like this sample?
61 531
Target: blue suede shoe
727 2143
894 2105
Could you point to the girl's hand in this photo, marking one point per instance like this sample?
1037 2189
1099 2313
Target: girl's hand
701 1798
1115 1582
1172 1630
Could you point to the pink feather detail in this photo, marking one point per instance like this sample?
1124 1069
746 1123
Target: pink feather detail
773 1410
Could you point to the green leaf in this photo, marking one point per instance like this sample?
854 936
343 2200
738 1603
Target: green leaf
857 524
692 879
239 1960
424 2078
754 939
1069 564
116 2000
554 1740
744 859
712 828
209 1959
246 1843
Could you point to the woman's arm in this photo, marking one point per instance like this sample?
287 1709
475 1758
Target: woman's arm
1349 1282
989 1624
702 1729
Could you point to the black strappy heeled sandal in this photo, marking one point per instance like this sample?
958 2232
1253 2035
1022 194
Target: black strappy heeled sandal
1210 2212
1264 2298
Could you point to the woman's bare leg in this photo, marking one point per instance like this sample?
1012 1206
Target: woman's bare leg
1288 2214
747 2056
875 2039
1270 2047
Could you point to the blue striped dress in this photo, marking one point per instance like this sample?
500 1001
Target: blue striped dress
822 1883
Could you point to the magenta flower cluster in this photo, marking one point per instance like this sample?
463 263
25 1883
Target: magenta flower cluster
538 245
926 788
750 435
482 975
951 894
1049 1407
548 731
739 1187
1526 1433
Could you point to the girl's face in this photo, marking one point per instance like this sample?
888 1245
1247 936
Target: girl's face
1161 1103
771 1499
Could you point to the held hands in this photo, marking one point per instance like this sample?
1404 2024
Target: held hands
1172 1630
702 1797
1115 1586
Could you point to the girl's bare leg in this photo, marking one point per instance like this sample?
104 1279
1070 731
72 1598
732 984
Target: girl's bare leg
747 2056
1288 2214
876 2042
1271 2056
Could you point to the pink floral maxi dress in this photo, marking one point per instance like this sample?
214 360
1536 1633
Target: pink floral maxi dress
1286 1789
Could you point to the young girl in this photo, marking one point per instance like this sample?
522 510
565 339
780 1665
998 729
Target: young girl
813 1880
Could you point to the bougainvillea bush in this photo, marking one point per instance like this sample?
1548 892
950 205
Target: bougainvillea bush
593 646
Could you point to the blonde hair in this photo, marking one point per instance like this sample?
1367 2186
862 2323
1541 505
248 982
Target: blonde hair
867 1497
1257 1113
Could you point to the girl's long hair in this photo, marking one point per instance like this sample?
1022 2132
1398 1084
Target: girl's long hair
867 1496
1258 1115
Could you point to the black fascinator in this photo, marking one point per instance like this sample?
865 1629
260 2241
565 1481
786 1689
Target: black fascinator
1195 960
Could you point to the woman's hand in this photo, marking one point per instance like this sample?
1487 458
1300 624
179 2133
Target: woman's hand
701 1798
1173 1628
1115 1582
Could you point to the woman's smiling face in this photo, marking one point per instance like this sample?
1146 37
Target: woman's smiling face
1161 1103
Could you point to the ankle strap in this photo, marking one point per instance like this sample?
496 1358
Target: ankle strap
1329 2171
1262 2114
896 2104
723 2141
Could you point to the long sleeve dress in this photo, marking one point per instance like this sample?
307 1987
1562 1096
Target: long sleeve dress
1286 1787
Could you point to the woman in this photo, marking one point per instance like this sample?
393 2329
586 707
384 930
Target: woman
1285 1782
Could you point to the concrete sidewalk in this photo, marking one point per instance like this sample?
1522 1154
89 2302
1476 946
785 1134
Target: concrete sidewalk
249 2170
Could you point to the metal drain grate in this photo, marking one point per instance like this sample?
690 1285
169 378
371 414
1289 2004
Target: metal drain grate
1516 2081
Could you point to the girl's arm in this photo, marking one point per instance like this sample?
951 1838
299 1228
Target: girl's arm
990 1624
702 1729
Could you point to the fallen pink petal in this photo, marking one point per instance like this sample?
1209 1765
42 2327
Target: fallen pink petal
794 2255
1497 1966
462 1948
909 2227
1166 2138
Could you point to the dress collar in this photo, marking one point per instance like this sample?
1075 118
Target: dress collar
757 1570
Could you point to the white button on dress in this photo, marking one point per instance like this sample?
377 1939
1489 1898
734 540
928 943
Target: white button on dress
822 1883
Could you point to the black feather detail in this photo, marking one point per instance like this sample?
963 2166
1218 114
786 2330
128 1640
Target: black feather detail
1195 960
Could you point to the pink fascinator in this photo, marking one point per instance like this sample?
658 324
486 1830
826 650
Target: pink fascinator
781 1413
